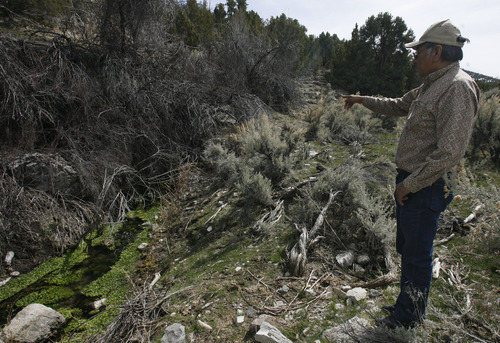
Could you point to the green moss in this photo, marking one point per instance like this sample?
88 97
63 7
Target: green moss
148 215
48 296
115 281
486 178
106 237
114 285
385 146
65 277
276 255
52 265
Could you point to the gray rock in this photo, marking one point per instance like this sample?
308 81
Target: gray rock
375 293
175 333
357 293
99 303
8 258
251 312
257 322
270 334
348 332
283 289
4 282
34 323
345 259
358 269
363 260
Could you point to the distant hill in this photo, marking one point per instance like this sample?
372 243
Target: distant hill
481 77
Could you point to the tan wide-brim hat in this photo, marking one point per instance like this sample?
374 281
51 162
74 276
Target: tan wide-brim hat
443 32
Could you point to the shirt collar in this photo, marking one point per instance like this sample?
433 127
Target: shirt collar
438 73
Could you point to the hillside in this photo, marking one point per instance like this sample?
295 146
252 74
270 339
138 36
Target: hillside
481 77
215 254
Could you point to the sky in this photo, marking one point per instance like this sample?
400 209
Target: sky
478 20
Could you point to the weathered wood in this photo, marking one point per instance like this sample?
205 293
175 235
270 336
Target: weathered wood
297 257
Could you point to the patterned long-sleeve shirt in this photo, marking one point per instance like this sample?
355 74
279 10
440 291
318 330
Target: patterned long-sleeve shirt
440 117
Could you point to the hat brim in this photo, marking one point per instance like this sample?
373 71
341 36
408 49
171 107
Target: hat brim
413 44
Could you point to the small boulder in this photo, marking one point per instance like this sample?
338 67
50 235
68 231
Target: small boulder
270 334
251 312
240 320
8 258
175 333
345 259
283 289
257 322
34 323
363 260
375 293
357 293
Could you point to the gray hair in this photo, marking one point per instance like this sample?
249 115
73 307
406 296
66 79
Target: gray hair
449 54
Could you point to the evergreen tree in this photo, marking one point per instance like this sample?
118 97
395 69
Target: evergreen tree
375 60
386 38
231 7
184 27
242 5
219 14
328 49
195 23
255 22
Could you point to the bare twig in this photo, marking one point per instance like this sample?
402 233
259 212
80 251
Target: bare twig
444 240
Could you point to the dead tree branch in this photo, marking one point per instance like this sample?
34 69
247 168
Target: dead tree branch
297 258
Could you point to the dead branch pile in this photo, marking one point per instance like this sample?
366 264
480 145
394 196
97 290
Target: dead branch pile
139 317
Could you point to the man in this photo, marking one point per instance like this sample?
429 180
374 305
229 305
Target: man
440 115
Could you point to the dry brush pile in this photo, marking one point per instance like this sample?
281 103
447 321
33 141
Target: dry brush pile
94 125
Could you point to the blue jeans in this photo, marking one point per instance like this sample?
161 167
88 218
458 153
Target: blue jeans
417 222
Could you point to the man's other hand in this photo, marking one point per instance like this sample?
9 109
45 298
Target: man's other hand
401 193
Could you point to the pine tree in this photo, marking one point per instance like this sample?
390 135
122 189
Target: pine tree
375 60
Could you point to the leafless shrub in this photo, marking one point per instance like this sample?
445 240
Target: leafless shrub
253 63
36 224
122 132
486 134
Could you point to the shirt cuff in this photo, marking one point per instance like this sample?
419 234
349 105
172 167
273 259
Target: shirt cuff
411 184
